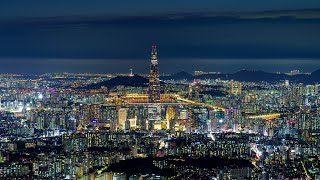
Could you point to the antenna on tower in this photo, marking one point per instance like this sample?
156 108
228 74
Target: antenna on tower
131 74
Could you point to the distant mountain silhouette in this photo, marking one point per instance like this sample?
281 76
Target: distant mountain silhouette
316 73
134 81
258 76
178 76
252 76
243 75
313 77
212 76
246 75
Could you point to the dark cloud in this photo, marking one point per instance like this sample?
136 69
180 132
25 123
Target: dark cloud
122 42
44 65
41 8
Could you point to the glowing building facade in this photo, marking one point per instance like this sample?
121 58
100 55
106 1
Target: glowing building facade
122 118
235 87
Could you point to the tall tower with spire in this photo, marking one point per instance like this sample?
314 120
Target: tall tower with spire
154 82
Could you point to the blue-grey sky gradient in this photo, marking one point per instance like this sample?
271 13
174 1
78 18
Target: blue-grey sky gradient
89 36
39 8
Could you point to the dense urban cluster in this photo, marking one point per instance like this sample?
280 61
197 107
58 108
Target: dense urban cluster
54 126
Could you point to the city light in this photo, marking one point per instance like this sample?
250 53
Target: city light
137 90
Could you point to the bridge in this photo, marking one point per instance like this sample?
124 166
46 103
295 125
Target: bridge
175 99
166 99
265 116
199 104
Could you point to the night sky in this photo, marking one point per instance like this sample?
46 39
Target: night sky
39 36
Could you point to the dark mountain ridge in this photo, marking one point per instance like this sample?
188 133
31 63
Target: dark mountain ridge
250 75
178 76
134 81
243 75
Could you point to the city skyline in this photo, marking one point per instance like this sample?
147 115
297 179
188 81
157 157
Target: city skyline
132 90
140 66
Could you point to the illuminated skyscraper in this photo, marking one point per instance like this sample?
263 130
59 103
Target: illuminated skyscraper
171 117
154 83
122 118
194 89
235 87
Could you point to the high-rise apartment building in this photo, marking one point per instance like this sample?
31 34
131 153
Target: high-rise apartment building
122 117
235 87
